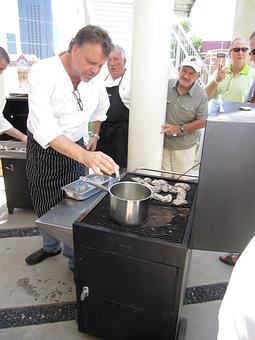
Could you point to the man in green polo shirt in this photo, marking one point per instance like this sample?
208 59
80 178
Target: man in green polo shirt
233 82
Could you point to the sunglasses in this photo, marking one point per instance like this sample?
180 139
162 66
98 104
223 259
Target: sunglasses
77 96
252 52
238 49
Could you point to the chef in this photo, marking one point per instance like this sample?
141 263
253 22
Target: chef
5 126
114 131
65 92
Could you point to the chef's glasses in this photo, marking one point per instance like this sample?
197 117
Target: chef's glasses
77 97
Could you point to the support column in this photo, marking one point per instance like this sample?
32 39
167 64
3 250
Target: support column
244 19
149 79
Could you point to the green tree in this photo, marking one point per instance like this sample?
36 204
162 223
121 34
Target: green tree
186 25
197 42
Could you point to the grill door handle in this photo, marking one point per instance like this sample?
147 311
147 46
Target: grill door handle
84 293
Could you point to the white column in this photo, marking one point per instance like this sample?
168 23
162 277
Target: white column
149 78
244 19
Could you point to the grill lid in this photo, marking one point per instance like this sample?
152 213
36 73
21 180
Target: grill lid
224 211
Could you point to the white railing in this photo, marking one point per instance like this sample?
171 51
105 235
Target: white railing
181 47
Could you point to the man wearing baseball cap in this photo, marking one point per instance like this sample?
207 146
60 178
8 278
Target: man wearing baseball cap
186 113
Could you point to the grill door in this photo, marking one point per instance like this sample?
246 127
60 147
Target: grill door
16 187
224 210
128 298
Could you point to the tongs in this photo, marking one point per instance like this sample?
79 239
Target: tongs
194 166
172 172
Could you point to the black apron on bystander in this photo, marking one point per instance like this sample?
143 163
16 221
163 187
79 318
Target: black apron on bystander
114 131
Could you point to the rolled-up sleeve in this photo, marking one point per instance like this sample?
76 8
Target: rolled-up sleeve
202 110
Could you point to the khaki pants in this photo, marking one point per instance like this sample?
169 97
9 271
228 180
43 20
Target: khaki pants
178 160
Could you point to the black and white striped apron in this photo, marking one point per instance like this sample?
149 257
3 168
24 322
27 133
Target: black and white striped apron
47 171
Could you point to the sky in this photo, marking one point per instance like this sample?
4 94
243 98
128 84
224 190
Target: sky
210 19
67 15
213 19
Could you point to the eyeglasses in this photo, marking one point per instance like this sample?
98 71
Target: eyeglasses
77 96
252 52
238 49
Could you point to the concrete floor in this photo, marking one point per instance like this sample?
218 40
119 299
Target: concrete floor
51 284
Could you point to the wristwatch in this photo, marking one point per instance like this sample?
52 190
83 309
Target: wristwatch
182 128
95 135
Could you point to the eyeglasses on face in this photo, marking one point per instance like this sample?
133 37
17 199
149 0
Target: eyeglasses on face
252 52
77 97
238 49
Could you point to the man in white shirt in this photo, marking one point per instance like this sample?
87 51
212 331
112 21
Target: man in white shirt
65 92
114 131
237 310
5 126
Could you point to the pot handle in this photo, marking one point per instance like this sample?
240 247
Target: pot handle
98 185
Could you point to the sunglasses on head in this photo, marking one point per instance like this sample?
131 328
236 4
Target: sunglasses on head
238 49
252 52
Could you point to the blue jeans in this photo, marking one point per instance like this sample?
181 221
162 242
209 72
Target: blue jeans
51 244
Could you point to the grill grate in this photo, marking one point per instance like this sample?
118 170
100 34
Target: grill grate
165 223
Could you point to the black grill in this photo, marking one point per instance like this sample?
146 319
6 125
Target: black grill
166 222
135 274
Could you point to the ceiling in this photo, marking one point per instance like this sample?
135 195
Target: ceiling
183 7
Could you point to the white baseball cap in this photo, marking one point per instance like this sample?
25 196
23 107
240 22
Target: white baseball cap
193 62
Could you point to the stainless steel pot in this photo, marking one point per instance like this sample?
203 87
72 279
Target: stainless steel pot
129 202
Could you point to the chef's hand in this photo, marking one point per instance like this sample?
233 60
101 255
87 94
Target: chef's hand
100 163
24 138
170 129
92 144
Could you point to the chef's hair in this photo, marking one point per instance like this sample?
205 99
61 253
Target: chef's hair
92 35
4 55
121 50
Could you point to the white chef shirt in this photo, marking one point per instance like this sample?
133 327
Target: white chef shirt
237 311
52 106
124 89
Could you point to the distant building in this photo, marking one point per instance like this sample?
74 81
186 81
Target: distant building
28 59
36 27
214 45
11 43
